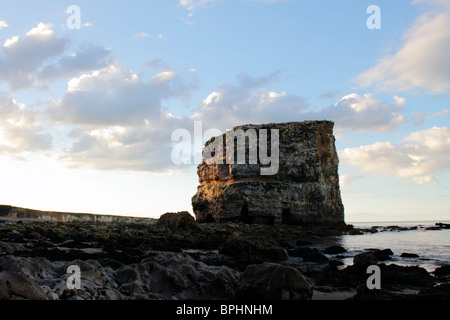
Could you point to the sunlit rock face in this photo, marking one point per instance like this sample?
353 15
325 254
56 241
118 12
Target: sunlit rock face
303 188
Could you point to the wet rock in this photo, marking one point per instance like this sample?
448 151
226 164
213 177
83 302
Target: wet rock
301 252
409 255
316 257
248 250
438 292
271 281
412 276
363 260
382 255
442 271
335 263
309 254
334 250
439 226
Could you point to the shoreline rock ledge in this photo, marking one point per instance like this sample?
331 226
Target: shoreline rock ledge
304 191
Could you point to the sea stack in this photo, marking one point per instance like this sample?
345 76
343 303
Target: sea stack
302 190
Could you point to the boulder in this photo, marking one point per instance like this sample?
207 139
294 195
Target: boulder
177 221
412 276
381 255
409 255
272 281
363 260
19 286
309 254
442 271
250 250
334 250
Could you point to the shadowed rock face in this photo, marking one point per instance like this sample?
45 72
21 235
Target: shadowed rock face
304 190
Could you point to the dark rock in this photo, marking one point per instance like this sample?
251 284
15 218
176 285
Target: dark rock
364 293
413 276
334 250
438 292
409 255
177 221
128 274
442 271
19 286
249 250
271 281
316 257
301 252
382 255
303 242
308 254
335 263
112 263
363 260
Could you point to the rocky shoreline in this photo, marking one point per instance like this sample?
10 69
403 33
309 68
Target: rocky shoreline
176 258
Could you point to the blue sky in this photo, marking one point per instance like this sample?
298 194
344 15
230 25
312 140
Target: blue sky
87 114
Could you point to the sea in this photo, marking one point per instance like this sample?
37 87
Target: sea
432 246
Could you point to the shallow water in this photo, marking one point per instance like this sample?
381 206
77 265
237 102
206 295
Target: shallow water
432 246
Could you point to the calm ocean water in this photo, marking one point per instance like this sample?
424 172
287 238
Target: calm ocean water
432 246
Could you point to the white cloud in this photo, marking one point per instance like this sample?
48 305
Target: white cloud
3 24
367 112
191 6
41 55
42 30
11 42
88 58
141 35
119 120
248 102
420 154
164 76
194 4
21 130
399 101
422 60
424 180
442 113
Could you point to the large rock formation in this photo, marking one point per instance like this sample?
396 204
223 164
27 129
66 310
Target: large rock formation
304 189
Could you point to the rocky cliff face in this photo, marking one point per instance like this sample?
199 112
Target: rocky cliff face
23 213
304 189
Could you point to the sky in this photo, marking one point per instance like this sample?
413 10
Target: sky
90 96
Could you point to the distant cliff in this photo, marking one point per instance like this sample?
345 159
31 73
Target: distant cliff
304 189
22 213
